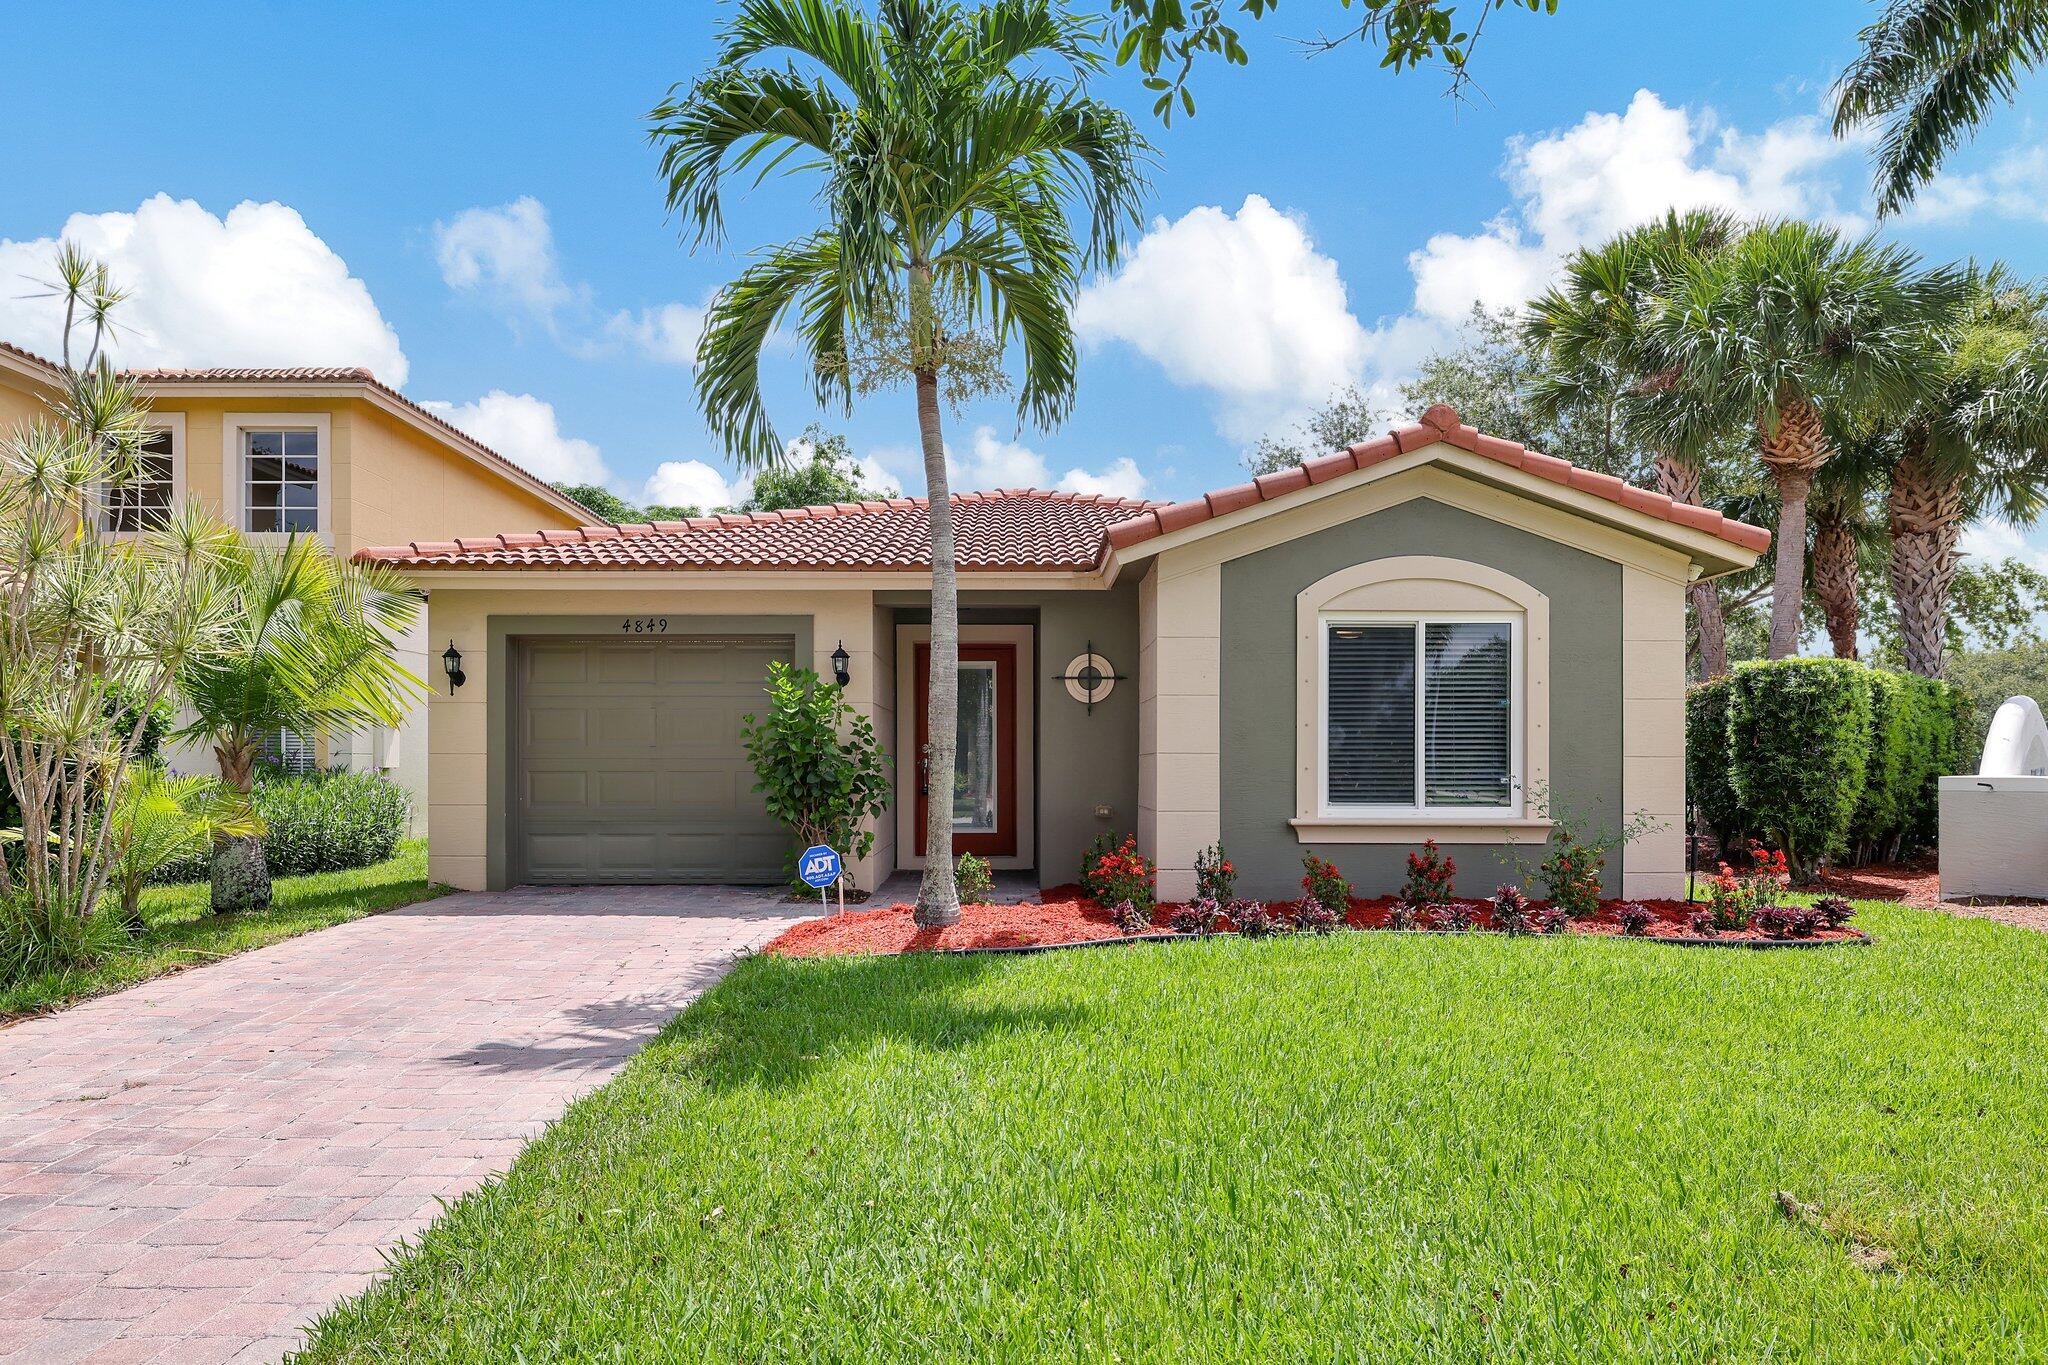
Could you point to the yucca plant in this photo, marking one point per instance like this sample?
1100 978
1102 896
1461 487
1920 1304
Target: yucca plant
309 649
951 146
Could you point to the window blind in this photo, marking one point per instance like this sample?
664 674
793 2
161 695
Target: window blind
1468 759
1371 698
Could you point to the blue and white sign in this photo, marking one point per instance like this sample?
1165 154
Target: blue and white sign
819 866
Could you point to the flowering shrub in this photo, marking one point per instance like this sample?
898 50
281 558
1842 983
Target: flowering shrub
1636 918
1323 885
1197 916
1314 917
1571 873
1834 910
1102 846
1215 876
1511 913
1254 920
1429 877
1702 924
1129 919
1734 899
1124 874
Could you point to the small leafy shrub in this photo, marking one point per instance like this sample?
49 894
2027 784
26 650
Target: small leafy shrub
1197 916
1509 910
1314 917
1428 886
35 940
1124 874
1776 921
1322 885
1102 846
1805 923
817 761
1453 917
1635 918
1834 911
1404 914
1576 854
1552 920
1702 924
974 879
322 822
1254 919
1734 898
1129 918
1215 876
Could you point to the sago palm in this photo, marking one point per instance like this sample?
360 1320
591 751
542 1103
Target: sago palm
1929 71
1592 338
1976 444
159 819
311 652
952 148
1790 328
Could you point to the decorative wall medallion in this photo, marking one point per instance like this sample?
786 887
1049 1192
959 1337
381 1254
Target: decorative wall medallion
1089 677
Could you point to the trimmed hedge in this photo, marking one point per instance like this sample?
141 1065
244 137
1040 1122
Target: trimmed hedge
325 822
1823 757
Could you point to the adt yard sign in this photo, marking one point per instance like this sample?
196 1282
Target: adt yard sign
819 867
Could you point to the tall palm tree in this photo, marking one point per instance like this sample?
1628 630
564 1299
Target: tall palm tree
1976 444
1792 326
950 164
1847 530
1592 338
1930 70
311 652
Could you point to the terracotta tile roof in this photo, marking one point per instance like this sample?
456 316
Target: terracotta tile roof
30 356
1440 423
1007 530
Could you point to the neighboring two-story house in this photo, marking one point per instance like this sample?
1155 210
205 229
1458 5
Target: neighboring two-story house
325 452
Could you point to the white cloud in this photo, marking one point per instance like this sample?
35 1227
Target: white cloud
257 287
667 334
506 257
1242 304
525 430
2015 186
1995 540
991 462
691 483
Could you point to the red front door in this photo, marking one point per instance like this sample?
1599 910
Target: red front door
985 762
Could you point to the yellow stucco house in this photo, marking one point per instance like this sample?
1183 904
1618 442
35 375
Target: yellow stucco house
327 452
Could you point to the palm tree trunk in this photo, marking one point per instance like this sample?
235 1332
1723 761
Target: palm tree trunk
1926 514
241 875
1837 579
1793 453
1680 480
938 898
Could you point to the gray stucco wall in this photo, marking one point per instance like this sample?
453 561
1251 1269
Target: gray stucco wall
1258 690
1083 760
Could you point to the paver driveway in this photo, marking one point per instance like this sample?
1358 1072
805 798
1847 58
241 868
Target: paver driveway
192 1170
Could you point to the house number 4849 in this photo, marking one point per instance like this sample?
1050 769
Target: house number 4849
644 625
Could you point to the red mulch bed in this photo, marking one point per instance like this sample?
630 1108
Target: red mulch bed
1065 915
1913 883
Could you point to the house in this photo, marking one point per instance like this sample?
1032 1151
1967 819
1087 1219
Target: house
325 452
1431 634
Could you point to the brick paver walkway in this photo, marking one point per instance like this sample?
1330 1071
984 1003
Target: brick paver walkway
192 1170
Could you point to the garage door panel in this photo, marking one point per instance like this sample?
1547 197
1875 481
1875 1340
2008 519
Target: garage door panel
631 767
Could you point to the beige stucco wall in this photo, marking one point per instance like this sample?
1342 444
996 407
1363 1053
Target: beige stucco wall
1180 619
461 798
401 486
20 403
1653 726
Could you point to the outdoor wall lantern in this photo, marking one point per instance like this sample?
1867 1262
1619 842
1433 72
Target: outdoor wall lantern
451 664
840 659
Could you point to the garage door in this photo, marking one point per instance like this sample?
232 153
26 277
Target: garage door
628 766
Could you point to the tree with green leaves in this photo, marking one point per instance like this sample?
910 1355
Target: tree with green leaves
1791 328
609 506
953 148
1592 336
1929 72
310 651
159 819
1166 37
824 471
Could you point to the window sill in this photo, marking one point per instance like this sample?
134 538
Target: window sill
1349 829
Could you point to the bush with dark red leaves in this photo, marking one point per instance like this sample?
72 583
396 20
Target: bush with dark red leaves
1197 916
1510 912
1254 919
1775 921
1834 910
1635 918
1702 924
1405 914
1314 917
1129 918
1453 917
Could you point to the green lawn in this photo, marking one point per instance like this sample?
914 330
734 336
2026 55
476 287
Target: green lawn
183 934
1375 1147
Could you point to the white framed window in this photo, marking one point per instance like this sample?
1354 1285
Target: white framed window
286 751
279 472
143 501
1422 714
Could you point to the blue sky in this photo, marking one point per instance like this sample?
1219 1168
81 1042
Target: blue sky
462 199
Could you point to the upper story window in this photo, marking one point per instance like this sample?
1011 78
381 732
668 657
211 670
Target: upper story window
1420 714
281 480
143 501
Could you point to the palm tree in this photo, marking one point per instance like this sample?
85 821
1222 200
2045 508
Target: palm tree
1792 326
1847 530
950 165
159 819
1592 337
1975 445
311 653
1930 69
